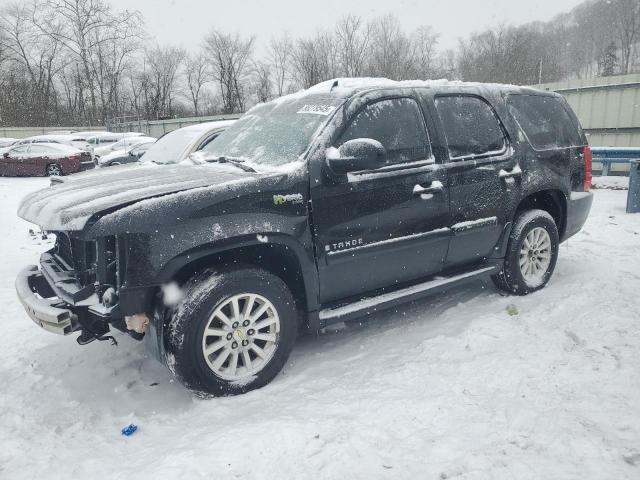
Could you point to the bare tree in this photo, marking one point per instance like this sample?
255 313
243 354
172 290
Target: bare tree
197 74
423 52
280 58
262 82
313 60
87 28
159 83
229 55
627 27
352 37
36 55
390 49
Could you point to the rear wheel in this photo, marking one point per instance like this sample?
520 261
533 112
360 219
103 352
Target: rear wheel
54 170
232 332
532 253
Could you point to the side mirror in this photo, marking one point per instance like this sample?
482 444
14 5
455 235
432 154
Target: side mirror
357 154
5 154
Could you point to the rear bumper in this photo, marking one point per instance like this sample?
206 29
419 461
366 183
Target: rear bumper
88 165
35 295
578 208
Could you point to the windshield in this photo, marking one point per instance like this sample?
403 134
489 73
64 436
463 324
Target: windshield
274 133
171 147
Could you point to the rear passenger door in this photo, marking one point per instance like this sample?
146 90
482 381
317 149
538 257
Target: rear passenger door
483 176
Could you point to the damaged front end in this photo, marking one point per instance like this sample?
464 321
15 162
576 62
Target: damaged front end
79 287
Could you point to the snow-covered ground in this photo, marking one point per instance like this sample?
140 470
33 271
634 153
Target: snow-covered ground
451 387
611 182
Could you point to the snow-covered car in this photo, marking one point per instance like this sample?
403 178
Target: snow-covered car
7 142
127 155
87 134
44 159
71 140
125 143
177 145
105 139
352 197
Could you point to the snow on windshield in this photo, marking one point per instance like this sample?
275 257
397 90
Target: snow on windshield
275 133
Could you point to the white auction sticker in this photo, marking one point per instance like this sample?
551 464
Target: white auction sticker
317 109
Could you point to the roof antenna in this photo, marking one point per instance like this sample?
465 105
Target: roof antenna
335 84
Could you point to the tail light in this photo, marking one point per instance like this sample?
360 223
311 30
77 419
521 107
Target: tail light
588 158
74 157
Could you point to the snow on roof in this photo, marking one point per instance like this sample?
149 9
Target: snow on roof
345 87
203 127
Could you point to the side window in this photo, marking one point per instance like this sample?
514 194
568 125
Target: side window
471 126
207 141
19 150
545 121
42 149
397 124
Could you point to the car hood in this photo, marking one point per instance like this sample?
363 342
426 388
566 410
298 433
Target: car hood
69 205
110 156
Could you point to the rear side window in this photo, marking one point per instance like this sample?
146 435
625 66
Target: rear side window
397 124
545 121
471 127
39 148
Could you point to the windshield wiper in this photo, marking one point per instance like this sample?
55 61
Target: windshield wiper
238 162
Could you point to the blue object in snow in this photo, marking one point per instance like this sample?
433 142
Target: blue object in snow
129 430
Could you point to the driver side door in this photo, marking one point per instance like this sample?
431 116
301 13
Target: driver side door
382 228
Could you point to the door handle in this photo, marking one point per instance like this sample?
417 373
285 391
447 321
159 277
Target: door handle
427 192
514 172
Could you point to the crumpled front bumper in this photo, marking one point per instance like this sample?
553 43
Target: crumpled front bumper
35 294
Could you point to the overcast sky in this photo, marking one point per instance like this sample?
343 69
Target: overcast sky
186 22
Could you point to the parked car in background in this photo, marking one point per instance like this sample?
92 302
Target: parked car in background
71 140
7 142
44 159
125 143
61 132
124 156
107 138
177 145
86 134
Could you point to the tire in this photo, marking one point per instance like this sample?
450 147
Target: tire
54 170
531 255
208 298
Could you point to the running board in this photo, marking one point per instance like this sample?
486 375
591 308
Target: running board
383 301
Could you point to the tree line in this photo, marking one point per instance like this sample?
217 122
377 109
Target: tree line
74 62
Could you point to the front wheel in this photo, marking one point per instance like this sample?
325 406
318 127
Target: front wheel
532 253
232 331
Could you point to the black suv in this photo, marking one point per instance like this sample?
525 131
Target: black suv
344 199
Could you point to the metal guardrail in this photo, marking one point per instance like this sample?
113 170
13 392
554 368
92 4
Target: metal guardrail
608 156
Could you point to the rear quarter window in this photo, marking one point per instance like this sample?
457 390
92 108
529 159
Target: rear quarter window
545 121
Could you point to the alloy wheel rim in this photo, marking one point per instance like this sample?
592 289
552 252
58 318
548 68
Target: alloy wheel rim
535 256
241 336
54 170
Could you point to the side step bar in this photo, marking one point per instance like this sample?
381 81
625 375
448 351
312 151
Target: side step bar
383 301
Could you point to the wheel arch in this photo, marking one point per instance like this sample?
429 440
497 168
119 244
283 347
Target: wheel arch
552 201
281 255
